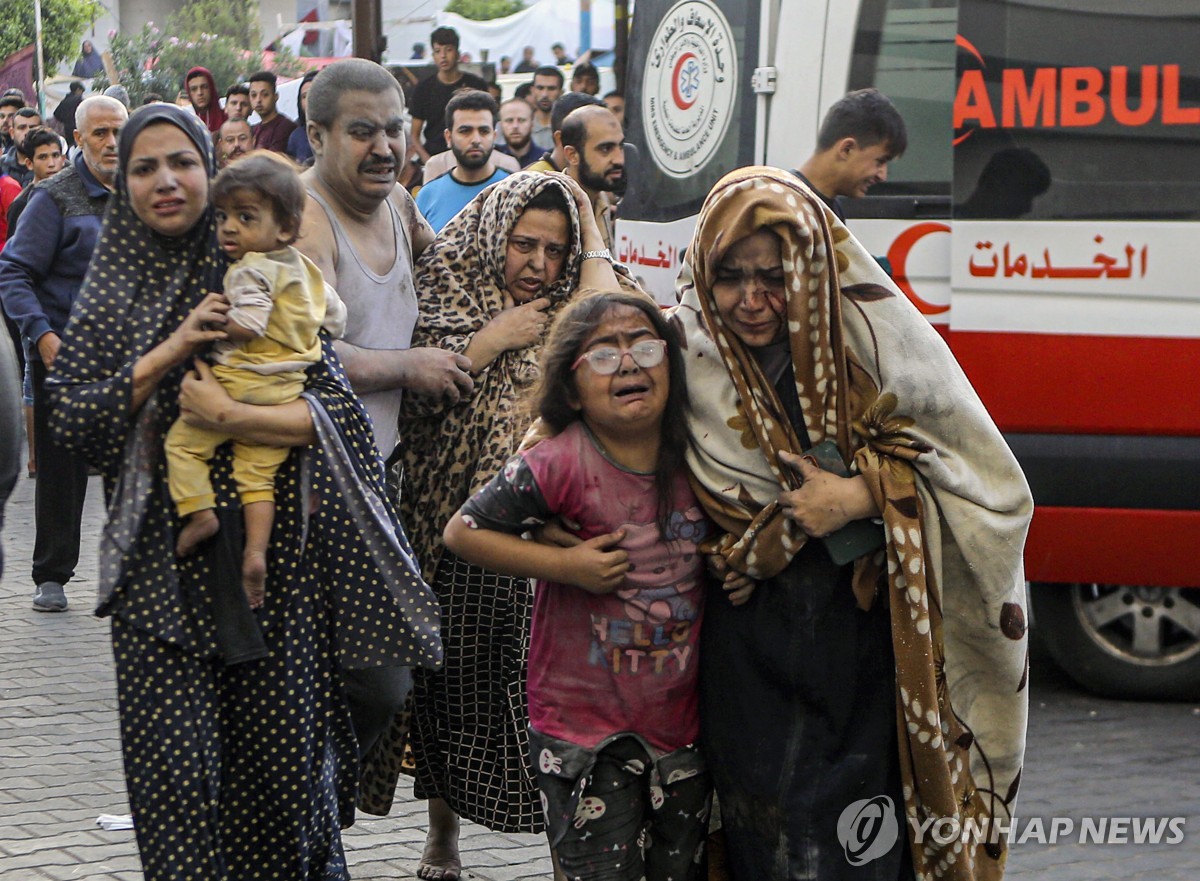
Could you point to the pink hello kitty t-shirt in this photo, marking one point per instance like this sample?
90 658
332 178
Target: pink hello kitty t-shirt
601 665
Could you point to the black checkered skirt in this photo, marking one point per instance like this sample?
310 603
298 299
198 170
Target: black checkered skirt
470 735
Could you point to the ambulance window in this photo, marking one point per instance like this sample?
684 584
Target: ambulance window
1086 109
905 48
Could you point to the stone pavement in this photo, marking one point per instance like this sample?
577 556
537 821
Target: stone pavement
60 765
60 759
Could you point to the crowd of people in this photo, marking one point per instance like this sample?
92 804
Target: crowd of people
430 486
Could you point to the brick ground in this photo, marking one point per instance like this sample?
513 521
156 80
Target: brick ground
60 764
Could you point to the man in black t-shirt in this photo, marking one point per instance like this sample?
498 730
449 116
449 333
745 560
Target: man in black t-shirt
431 95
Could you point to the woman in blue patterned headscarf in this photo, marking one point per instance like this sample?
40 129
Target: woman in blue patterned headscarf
240 754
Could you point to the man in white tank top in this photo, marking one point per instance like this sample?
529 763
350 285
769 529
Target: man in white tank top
364 231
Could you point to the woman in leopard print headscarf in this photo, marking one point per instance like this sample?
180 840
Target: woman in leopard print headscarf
489 287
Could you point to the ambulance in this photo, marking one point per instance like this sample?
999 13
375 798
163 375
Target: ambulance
1045 218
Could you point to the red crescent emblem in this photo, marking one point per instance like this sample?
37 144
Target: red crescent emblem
963 43
680 101
898 255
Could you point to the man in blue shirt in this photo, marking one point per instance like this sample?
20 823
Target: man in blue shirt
41 271
471 134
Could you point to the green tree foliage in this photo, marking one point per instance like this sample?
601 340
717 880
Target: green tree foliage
235 19
149 61
484 10
63 24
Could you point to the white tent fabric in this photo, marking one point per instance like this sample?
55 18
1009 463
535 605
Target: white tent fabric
343 40
540 25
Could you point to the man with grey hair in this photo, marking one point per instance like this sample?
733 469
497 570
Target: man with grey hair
235 138
41 271
363 231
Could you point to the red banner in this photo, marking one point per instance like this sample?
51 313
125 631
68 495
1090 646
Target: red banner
17 71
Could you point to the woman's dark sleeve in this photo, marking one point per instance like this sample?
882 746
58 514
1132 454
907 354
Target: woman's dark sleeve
91 386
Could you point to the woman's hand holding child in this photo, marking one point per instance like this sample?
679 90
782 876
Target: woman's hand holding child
203 401
204 325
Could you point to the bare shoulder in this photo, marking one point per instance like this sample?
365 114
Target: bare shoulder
317 241
420 233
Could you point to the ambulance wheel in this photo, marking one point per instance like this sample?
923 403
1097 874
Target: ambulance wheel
1123 641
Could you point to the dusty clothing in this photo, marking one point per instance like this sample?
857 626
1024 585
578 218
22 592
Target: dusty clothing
381 312
474 713
612 677
801 634
283 298
621 813
870 374
190 449
607 664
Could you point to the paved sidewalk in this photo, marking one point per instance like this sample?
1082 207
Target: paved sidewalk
60 765
60 758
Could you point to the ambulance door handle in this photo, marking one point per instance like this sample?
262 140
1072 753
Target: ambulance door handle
764 80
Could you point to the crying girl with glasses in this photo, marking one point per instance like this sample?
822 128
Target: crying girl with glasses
613 662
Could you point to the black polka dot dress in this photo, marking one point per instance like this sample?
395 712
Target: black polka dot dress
236 769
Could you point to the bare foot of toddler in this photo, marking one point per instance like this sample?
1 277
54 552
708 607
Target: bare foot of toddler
254 577
200 527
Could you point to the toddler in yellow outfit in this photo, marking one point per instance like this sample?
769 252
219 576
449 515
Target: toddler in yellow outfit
278 301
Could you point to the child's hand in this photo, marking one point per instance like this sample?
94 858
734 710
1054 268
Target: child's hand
203 401
737 586
556 532
594 568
